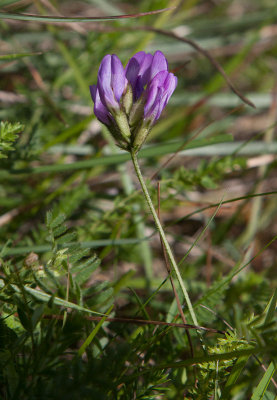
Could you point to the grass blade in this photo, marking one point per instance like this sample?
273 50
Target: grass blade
260 390
93 333
235 373
84 245
44 297
271 308
11 57
151 151
55 18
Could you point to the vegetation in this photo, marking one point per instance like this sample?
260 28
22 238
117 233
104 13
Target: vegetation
90 305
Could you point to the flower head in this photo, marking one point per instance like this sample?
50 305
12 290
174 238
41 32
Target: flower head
129 101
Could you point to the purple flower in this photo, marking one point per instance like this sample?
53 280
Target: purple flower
158 93
110 86
129 101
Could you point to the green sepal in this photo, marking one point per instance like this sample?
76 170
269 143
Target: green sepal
140 137
123 125
137 112
127 99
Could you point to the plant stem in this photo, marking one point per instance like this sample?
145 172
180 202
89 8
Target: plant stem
163 237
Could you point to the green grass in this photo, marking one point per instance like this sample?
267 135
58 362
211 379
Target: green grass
87 308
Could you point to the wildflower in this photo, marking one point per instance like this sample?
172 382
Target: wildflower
129 101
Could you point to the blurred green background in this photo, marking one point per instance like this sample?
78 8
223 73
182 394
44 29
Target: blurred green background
76 234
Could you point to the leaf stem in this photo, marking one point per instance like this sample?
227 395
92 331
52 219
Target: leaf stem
163 237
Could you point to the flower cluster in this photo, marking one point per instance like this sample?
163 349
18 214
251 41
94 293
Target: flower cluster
130 100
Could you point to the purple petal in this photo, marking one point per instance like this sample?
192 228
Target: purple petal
93 89
151 99
153 93
159 63
151 110
133 75
154 110
145 68
163 102
132 70
170 83
133 66
100 110
118 80
160 78
158 94
169 87
138 72
104 83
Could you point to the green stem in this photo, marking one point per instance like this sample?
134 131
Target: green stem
161 231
